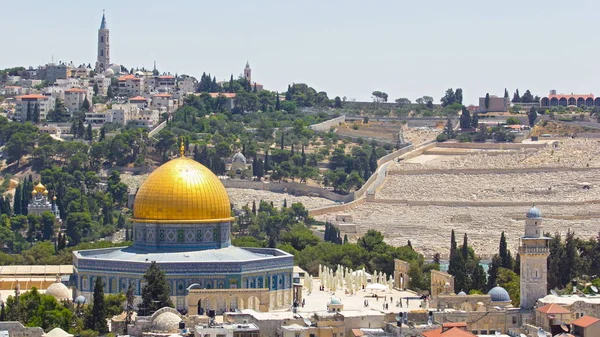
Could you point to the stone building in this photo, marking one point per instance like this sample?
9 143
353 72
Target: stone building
182 221
534 252
41 202
103 57
26 102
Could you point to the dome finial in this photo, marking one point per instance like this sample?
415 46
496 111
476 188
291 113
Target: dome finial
181 148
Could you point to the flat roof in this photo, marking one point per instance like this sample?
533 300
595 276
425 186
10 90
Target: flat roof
35 270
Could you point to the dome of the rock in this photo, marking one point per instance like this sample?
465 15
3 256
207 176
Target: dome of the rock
182 191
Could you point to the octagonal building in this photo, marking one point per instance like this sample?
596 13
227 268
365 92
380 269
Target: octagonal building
182 220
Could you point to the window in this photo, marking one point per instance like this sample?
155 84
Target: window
297 335
514 320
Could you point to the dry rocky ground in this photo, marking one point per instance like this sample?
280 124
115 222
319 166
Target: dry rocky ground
530 187
567 153
428 227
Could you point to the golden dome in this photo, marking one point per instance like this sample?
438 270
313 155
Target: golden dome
40 188
182 191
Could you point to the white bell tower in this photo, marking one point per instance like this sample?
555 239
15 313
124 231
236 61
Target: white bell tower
534 252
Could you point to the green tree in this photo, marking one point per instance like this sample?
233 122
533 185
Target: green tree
475 120
88 132
98 317
504 253
494 266
29 115
18 200
516 97
156 291
129 309
532 116
458 96
48 221
465 119
337 102
487 101
96 89
277 103
449 129
449 98
85 106
35 116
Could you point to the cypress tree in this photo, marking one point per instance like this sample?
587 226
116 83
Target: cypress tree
284 202
303 156
453 245
517 264
231 84
129 305
18 201
35 117
98 318
373 161
267 163
504 253
282 139
409 244
89 134
254 207
345 238
29 115
102 133
493 272
277 103
465 248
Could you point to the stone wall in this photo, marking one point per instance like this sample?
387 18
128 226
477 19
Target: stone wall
479 203
289 187
491 146
157 129
492 171
326 125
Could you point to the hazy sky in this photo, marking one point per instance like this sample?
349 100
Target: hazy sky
346 48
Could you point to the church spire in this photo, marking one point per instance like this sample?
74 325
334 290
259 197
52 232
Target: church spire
103 24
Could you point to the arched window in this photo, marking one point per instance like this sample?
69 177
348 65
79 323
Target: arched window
101 52
101 39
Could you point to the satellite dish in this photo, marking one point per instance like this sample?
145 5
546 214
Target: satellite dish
564 327
553 292
542 333
594 289
307 321
497 333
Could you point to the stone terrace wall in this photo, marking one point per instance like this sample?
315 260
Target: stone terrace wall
480 203
491 146
326 125
157 129
336 208
492 171
289 187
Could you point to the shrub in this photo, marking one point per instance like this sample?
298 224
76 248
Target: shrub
442 137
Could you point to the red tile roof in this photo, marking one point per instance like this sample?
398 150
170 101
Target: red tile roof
585 321
137 99
162 95
559 96
32 96
129 77
166 77
75 90
553 308
453 332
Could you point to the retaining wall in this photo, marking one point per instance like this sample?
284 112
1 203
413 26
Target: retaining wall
491 171
326 125
487 146
447 203
336 208
289 187
157 129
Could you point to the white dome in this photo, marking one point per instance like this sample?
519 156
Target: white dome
239 157
139 73
109 72
59 291
166 322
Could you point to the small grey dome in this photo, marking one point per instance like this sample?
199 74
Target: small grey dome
534 213
80 300
59 291
239 157
499 294
462 293
166 322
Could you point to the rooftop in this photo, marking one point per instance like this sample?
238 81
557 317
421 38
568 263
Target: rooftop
585 321
552 308
138 254
75 90
32 96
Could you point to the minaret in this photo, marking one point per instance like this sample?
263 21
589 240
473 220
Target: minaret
248 73
534 252
103 60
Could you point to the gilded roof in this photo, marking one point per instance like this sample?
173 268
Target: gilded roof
182 191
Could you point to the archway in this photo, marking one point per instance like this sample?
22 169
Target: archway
545 101
253 303
580 101
554 101
572 101
562 102
589 102
200 309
